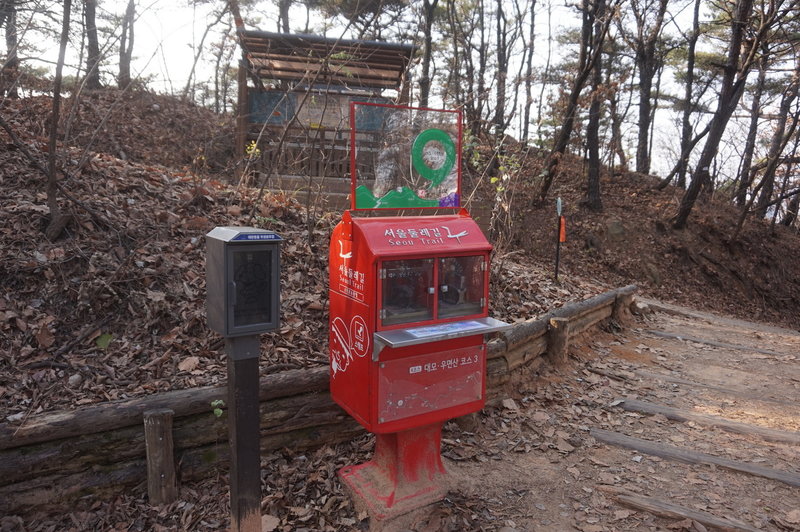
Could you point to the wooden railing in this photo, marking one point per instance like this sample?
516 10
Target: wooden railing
60 456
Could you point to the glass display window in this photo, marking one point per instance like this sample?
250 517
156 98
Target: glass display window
408 291
252 275
461 286
410 287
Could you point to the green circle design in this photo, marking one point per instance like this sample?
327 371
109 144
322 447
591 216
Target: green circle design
434 175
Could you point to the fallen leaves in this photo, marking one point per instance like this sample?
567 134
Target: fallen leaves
45 338
189 364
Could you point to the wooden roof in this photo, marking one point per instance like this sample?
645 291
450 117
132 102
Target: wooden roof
320 60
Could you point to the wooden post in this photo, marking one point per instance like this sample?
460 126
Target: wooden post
404 92
244 435
622 308
558 341
242 122
162 486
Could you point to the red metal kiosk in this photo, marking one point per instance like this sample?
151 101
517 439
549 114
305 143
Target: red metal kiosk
408 306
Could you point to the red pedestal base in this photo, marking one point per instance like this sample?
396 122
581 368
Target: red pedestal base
405 474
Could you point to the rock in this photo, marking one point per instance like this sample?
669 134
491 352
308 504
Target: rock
468 423
594 243
653 274
615 230
75 380
641 309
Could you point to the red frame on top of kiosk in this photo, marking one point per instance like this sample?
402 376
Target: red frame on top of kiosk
354 164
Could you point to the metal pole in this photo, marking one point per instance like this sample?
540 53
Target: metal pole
558 235
558 245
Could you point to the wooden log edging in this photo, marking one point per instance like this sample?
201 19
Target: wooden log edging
101 448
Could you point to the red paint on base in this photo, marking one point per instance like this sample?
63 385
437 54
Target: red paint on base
405 474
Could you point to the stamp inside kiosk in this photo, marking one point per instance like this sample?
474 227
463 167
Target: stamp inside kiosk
408 303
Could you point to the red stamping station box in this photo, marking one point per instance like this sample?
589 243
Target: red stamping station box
408 314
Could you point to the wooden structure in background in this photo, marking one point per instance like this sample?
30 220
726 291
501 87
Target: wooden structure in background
294 103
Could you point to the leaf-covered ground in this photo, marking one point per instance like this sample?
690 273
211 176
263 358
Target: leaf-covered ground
115 307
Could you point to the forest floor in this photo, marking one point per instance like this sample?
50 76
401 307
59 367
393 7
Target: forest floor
538 460
115 309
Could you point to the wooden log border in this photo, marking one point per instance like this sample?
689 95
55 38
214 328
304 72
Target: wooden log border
57 457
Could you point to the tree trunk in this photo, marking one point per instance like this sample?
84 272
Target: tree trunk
92 47
283 15
57 223
732 86
199 50
643 123
483 51
593 199
10 73
791 211
686 124
746 173
777 144
546 74
588 56
794 204
429 9
615 146
645 45
772 165
526 121
126 46
220 77
502 73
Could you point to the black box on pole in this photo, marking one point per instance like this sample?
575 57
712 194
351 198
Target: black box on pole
242 280
243 301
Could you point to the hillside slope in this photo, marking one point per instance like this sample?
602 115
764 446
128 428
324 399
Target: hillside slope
115 307
756 276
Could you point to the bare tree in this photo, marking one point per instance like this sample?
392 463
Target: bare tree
686 124
746 173
546 72
780 138
199 51
506 35
126 46
593 198
468 62
529 47
591 47
10 70
283 15
648 16
735 71
428 12
57 220
93 46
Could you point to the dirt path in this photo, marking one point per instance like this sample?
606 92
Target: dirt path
567 452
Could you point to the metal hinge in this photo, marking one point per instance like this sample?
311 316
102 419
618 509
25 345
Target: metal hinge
382 273
383 313
484 265
483 302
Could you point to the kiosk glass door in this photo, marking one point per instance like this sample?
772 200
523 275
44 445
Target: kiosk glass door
461 286
408 289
